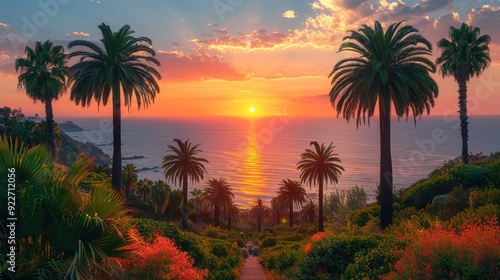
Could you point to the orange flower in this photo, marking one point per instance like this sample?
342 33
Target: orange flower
320 236
308 248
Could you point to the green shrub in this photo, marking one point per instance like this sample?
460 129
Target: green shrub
330 257
479 198
282 260
219 250
269 242
361 216
471 175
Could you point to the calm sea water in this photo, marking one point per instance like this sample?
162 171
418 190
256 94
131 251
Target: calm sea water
255 154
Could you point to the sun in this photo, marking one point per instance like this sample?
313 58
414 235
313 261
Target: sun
252 110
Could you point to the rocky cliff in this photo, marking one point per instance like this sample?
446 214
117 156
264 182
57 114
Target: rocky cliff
70 149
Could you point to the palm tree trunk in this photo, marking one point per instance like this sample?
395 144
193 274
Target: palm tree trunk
386 196
116 172
49 117
259 221
144 194
290 213
216 214
184 202
462 104
128 194
320 210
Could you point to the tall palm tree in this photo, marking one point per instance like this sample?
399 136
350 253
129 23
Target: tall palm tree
122 65
233 214
465 56
43 77
159 194
129 177
181 164
259 211
218 194
393 69
320 166
291 193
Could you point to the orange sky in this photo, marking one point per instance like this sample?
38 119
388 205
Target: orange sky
223 65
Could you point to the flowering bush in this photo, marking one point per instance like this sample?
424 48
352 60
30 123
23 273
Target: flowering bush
471 252
160 260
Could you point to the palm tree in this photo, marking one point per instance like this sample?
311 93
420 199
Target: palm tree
159 194
290 193
259 211
218 193
118 67
278 207
320 166
233 214
465 56
61 228
392 68
43 77
129 177
196 200
144 188
182 164
308 211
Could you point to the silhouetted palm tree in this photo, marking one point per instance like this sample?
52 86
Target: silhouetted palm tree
43 77
129 177
159 194
290 193
196 200
218 194
183 164
278 207
233 215
259 211
118 67
308 212
392 70
144 188
320 166
465 56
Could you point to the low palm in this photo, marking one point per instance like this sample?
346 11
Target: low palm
218 194
182 164
43 77
464 56
144 188
159 194
392 69
62 228
308 211
320 167
290 193
129 178
121 66
259 211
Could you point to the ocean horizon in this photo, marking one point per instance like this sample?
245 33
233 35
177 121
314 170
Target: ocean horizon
255 153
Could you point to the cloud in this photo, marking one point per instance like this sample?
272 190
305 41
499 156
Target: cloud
289 14
4 26
213 24
179 67
79 34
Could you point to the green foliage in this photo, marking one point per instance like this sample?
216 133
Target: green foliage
79 230
269 242
282 260
330 257
220 257
481 198
471 175
361 216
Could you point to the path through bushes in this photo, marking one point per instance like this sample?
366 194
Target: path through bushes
253 270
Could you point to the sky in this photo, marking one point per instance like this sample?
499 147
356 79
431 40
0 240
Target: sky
222 57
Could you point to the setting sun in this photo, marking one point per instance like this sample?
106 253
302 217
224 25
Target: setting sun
252 110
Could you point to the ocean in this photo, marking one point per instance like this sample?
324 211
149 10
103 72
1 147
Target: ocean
255 153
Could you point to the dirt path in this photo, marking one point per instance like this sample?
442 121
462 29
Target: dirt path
253 270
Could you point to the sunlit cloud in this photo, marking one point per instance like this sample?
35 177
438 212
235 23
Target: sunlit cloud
79 34
4 26
289 14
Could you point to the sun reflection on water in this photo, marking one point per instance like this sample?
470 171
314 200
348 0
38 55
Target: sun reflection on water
251 174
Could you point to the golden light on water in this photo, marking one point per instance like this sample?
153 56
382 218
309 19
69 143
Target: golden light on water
251 174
